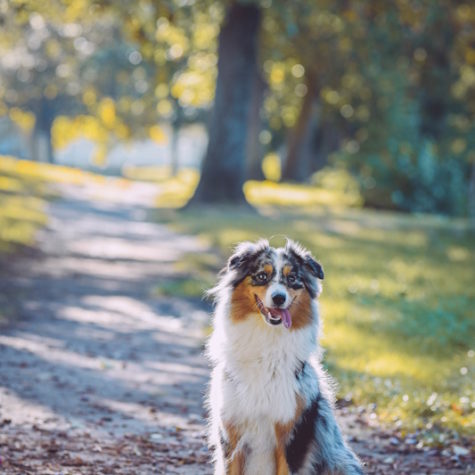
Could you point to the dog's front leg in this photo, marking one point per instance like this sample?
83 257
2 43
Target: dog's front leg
232 450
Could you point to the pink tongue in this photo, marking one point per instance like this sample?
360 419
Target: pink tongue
284 314
286 318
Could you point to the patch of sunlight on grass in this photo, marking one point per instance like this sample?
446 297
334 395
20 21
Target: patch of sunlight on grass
25 187
39 171
154 174
269 193
174 191
10 185
177 191
457 254
397 302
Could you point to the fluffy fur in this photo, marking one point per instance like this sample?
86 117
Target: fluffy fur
270 406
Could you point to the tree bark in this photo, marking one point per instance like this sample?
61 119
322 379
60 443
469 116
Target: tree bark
174 159
296 166
326 140
254 149
471 194
42 147
224 165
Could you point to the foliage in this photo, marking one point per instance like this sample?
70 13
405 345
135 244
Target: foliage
392 85
397 302
395 85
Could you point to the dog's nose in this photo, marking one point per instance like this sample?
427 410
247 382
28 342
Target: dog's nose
278 299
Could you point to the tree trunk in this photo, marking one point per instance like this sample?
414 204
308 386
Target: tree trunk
223 170
42 148
327 140
174 158
436 75
296 167
254 149
471 194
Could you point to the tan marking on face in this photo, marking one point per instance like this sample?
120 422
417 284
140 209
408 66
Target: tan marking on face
235 462
301 308
286 270
282 434
243 302
268 269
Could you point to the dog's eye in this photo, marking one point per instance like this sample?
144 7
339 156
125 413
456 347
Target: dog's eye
261 277
291 278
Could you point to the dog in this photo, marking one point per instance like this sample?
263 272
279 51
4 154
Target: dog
270 403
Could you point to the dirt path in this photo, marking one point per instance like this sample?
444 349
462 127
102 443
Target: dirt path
98 375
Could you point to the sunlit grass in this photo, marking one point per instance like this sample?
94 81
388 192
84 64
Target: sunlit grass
286 194
397 304
25 187
175 191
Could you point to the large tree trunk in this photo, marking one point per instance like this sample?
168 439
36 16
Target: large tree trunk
471 194
42 148
296 164
326 140
174 159
223 170
436 76
254 149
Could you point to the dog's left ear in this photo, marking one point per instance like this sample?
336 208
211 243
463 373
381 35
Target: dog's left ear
314 267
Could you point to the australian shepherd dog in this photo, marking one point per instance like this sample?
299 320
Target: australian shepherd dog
270 405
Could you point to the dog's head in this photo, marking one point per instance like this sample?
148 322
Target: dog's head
279 284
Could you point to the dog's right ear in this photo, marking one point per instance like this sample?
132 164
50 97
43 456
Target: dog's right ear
245 252
237 260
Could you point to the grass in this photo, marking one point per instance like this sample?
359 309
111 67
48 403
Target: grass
398 294
25 188
23 197
398 300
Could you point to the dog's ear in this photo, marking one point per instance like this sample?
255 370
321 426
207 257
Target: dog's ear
312 269
245 252
238 259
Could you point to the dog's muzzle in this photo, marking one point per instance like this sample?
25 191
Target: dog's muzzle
274 316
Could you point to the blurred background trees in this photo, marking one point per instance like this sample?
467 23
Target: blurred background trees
384 91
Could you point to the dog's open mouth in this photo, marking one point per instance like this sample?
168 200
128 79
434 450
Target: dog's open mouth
274 316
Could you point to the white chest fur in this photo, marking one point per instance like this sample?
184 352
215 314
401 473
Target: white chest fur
258 366
254 384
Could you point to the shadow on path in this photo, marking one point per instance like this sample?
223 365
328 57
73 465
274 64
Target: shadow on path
92 352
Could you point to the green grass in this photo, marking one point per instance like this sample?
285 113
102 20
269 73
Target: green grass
22 201
25 188
398 301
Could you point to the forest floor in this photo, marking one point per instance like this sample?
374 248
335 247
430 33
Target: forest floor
100 374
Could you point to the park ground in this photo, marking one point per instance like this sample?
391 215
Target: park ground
103 326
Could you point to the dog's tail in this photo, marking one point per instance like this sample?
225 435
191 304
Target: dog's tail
331 454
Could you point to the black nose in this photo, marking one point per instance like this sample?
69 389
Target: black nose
278 299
